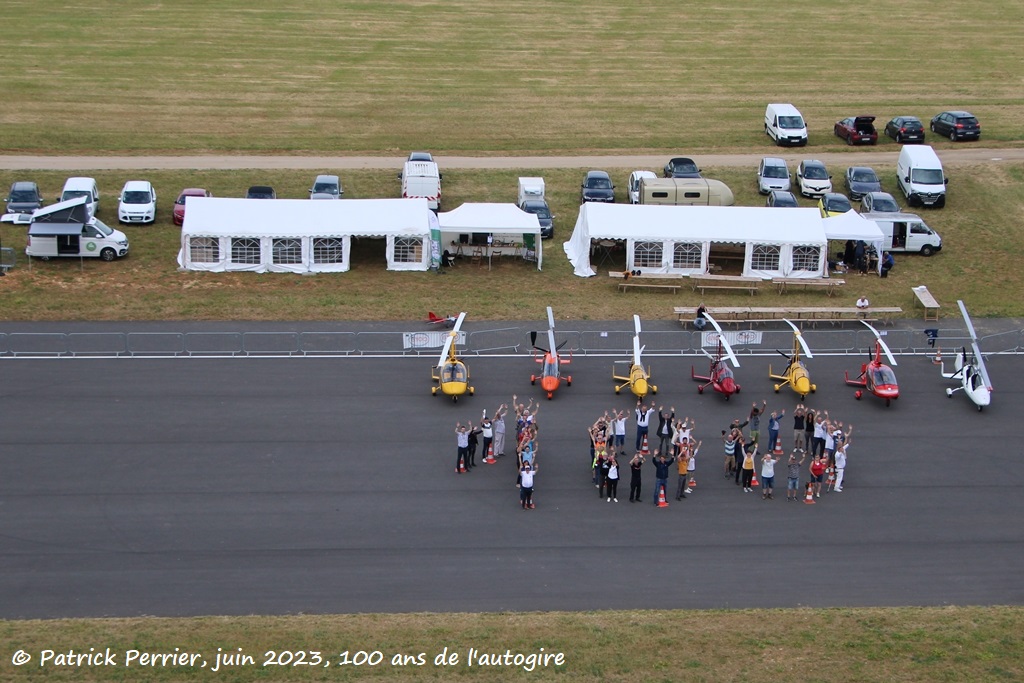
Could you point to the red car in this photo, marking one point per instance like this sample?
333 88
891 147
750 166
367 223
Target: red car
857 129
179 204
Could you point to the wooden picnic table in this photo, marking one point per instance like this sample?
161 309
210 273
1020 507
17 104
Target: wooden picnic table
828 284
704 282
925 298
809 314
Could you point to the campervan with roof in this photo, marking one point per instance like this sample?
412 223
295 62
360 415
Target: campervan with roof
69 229
422 179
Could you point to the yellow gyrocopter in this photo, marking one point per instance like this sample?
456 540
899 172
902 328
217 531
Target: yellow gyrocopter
451 373
795 374
639 379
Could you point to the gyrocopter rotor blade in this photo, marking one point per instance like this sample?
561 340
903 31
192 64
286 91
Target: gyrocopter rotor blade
725 342
885 347
800 338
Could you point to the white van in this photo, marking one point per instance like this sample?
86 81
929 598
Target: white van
785 124
68 229
685 192
422 179
919 174
530 188
906 232
82 187
137 203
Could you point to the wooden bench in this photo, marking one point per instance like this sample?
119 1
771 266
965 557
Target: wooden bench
625 286
828 284
726 282
925 298
812 315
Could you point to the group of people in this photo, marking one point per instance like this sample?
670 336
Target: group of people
815 434
675 441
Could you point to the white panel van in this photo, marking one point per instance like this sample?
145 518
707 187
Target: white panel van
82 187
422 179
906 232
920 177
785 124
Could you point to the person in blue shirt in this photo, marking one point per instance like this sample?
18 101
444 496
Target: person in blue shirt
661 464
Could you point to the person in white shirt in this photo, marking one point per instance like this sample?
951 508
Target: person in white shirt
643 421
841 459
768 475
527 471
619 430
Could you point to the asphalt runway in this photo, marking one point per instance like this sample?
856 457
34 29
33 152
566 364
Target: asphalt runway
270 486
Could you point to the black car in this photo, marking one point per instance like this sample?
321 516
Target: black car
597 187
782 199
860 180
958 125
543 213
681 167
904 129
24 197
261 192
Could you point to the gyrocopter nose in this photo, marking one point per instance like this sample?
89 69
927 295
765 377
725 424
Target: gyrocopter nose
640 387
549 384
802 386
729 385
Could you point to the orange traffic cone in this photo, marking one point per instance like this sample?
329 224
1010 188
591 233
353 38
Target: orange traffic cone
644 451
662 503
753 480
778 447
831 478
809 498
489 459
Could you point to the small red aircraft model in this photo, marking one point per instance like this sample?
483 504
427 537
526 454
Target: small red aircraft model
719 375
446 321
875 376
550 376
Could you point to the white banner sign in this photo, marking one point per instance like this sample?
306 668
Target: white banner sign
734 338
429 340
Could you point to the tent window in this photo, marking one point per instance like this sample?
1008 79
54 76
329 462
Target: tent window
204 249
806 258
408 249
647 254
328 250
287 250
686 255
765 257
245 249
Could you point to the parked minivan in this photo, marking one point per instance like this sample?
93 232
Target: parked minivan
906 232
82 187
422 179
137 203
920 177
69 229
785 124
772 174
24 197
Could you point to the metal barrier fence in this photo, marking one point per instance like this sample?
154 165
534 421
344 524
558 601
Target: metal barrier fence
509 340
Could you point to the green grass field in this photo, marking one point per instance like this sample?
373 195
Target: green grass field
488 78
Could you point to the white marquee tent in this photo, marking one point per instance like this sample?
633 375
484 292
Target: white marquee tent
679 239
852 226
300 235
504 222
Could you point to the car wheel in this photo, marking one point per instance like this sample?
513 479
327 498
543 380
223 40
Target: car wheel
898 138
108 254
927 250
849 140
952 136
932 126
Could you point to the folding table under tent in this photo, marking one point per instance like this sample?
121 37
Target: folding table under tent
300 235
678 240
472 224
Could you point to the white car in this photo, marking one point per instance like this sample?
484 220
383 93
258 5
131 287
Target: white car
813 178
634 184
138 202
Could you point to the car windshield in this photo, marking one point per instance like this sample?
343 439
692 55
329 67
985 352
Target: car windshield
791 122
181 199
599 183
73 194
775 172
815 172
926 176
838 203
326 188
864 175
137 197
884 204
102 227
23 196
540 211
683 166
785 199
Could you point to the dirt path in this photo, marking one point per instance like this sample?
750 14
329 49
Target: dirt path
961 156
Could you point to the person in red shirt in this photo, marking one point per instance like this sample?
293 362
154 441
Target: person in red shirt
817 473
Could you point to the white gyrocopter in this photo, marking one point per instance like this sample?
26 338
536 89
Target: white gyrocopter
969 369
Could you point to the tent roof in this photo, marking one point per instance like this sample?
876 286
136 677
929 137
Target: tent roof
227 216
851 226
485 217
50 229
712 223
70 210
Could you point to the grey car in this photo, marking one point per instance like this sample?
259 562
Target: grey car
860 180
24 197
879 202
539 207
782 199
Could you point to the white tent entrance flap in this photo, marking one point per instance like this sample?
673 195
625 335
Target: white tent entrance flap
300 236
852 226
682 240
490 228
